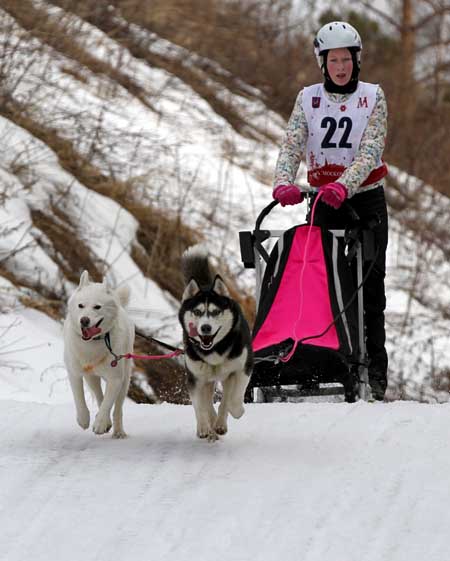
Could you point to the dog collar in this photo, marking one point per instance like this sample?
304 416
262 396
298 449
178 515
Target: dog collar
100 337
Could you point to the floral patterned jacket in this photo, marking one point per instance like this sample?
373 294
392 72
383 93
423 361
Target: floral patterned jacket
370 149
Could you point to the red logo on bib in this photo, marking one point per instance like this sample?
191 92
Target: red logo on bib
343 107
316 102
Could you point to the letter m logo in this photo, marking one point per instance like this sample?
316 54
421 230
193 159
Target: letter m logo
362 102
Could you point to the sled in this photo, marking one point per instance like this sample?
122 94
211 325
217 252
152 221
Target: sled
308 336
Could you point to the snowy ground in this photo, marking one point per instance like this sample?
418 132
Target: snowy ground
316 482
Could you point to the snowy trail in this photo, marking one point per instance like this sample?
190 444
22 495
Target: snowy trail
328 482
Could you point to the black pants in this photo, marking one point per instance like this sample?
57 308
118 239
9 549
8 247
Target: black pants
367 204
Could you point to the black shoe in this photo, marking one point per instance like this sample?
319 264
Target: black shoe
378 388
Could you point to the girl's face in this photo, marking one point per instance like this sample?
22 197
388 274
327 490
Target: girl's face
340 66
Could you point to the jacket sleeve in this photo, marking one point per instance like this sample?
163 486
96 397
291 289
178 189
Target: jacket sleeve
370 149
292 146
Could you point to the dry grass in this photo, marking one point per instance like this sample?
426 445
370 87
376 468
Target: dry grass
63 243
421 146
194 73
62 35
162 241
51 308
249 39
253 40
166 377
161 237
34 295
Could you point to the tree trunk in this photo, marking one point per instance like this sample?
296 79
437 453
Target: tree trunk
408 45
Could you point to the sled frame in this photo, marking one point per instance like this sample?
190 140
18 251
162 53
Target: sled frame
260 266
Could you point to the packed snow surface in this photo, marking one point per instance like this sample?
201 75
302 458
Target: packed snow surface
310 482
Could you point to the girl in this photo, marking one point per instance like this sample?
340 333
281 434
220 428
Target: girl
339 127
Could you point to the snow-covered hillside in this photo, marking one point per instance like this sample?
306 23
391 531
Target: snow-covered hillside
153 132
316 482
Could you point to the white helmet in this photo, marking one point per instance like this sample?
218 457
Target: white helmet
336 35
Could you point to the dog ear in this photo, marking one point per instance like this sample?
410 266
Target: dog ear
219 287
107 286
123 293
84 279
191 290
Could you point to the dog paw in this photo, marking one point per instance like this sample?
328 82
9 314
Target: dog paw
212 436
221 428
208 433
236 410
101 425
83 419
119 434
202 433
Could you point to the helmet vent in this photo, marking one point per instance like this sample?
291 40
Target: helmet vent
336 35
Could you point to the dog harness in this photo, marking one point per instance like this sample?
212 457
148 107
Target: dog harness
90 367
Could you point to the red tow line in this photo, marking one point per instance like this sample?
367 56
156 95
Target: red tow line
175 352
145 357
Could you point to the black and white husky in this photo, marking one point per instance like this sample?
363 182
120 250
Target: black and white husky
217 345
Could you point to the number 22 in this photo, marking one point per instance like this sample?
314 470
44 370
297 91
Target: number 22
330 124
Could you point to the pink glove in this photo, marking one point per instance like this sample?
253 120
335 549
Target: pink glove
333 194
287 194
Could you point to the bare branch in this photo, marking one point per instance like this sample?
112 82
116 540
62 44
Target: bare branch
433 4
436 70
382 14
426 19
437 43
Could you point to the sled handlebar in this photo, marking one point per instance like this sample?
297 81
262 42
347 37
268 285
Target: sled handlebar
351 211
267 209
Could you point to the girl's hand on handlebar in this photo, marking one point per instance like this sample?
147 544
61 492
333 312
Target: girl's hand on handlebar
288 194
333 194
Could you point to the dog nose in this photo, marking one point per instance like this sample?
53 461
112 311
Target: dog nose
85 321
206 329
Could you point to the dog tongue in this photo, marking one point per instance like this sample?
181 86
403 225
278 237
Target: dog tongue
89 332
192 330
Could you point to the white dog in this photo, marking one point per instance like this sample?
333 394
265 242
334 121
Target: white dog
96 312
